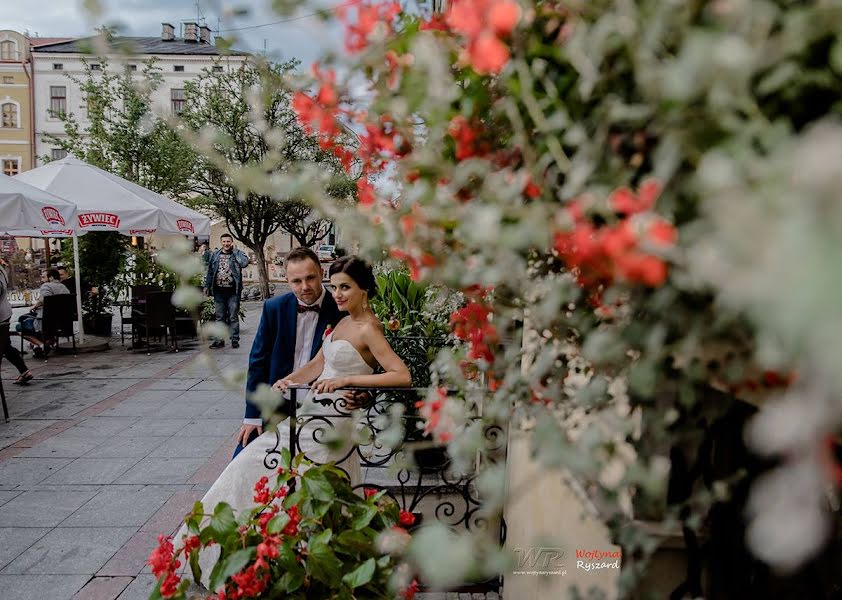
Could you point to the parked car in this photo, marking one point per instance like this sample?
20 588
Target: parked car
326 252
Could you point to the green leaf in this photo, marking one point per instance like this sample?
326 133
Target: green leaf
364 517
323 565
277 523
361 575
314 483
230 565
195 569
222 523
286 555
352 542
322 537
291 580
195 519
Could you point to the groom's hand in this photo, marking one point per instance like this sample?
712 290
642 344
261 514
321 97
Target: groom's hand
245 433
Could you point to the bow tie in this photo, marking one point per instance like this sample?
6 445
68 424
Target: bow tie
303 308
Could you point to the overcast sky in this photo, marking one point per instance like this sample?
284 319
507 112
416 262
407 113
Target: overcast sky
303 38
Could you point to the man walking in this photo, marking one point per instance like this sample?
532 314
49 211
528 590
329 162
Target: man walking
290 333
224 280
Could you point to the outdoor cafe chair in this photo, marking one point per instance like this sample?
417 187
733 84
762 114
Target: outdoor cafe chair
59 316
159 318
136 309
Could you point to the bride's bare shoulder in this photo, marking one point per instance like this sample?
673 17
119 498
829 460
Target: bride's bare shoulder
373 326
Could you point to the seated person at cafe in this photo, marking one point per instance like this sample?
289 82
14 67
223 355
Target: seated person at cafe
30 325
68 281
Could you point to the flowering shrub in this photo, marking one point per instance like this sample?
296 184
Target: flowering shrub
639 201
321 540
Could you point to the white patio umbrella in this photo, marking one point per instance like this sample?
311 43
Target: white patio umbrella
106 202
27 208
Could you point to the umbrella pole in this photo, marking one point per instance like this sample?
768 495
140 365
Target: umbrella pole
78 287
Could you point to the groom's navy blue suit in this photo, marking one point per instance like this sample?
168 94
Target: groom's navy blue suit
273 351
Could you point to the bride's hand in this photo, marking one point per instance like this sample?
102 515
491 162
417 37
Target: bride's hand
282 384
326 386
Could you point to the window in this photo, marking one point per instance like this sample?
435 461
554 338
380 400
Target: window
58 153
132 67
10 114
217 68
10 167
8 79
178 101
178 68
8 50
95 67
58 66
58 100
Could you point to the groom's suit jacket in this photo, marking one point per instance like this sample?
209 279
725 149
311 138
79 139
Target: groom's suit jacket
273 351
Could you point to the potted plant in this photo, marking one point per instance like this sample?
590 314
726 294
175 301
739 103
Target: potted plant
320 541
102 256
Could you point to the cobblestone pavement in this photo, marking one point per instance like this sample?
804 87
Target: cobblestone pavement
103 452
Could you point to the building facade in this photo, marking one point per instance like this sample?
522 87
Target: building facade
178 58
16 132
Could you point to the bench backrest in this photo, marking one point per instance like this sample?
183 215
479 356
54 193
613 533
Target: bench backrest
59 315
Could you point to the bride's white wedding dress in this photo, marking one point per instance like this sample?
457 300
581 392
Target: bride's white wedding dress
235 486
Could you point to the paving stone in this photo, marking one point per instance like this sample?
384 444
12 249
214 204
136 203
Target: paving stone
103 588
116 507
42 508
162 470
61 447
33 587
184 410
140 588
130 559
174 383
224 410
70 551
156 427
211 427
123 446
92 470
206 396
58 410
132 408
15 540
188 447
172 513
5 496
150 395
11 433
18 471
101 426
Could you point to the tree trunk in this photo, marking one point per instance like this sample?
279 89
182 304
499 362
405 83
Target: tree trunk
262 271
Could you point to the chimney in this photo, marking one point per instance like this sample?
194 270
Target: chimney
205 34
191 31
167 32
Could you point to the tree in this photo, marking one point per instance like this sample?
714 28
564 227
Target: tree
122 134
257 136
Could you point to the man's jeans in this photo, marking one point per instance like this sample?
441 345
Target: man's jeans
226 307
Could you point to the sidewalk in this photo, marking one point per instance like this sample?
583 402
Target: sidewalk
104 452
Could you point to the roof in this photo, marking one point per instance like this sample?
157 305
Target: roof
141 45
43 41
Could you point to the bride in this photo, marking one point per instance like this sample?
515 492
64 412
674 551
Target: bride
348 358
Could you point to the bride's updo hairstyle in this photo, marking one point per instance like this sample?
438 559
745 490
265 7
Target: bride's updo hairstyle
357 269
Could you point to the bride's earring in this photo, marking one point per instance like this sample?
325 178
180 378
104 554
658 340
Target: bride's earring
365 302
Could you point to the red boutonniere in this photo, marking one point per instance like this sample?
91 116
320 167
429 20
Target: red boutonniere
328 331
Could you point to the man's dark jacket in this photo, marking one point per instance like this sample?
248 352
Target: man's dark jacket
273 351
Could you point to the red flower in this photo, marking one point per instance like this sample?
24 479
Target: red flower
365 191
369 492
626 202
161 558
409 593
503 17
488 54
170 585
291 528
662 233
406 518
262 494
191 543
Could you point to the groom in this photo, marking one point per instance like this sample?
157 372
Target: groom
290 333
